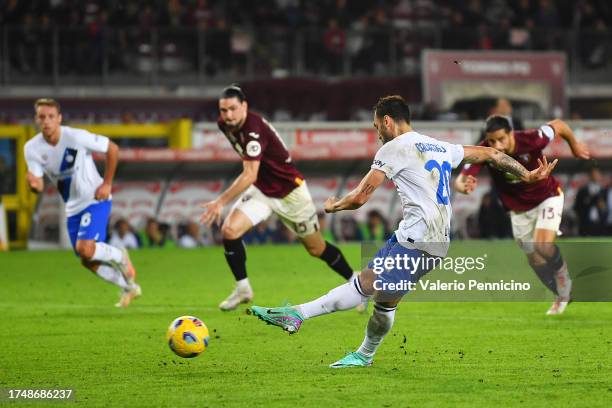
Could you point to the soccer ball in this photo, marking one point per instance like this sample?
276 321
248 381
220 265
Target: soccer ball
187 336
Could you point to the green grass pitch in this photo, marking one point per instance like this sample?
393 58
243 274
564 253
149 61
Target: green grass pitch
60 329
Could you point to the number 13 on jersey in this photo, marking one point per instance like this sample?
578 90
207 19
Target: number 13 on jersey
444 169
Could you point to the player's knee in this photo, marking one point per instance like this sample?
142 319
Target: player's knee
86 250
545 249
527 246
535 260
315 250
229 231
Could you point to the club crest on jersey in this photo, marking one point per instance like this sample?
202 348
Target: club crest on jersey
253 148
524 157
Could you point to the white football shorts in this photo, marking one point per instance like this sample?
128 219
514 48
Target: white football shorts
297 210
545 216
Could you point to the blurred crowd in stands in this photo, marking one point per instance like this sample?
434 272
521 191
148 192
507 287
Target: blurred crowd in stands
331 14
593 205
159 235
192 235
117 34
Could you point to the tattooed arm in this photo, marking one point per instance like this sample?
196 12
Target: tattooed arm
503 162
359 196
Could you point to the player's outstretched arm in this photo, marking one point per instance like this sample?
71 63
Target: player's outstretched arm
579 149
503 162
359 196
110 166
465 184
213 209
37 184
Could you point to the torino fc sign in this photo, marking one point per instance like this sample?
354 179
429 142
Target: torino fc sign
450 76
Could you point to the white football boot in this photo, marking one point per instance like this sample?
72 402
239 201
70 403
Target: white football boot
238 296
129 294
564 288
558 306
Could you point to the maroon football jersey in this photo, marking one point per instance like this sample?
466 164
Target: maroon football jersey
515 194
258 140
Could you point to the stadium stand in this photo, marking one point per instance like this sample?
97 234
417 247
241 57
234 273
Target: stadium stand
181 201
124 42
136 201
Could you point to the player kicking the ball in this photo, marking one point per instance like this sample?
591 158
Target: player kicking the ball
269 183
420 168
535 209
64 155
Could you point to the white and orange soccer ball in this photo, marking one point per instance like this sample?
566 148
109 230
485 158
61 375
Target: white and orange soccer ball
187 336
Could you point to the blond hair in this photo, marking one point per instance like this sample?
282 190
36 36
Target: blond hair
47 102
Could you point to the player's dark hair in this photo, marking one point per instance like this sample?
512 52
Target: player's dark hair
497 122
393 106
47 102
233 91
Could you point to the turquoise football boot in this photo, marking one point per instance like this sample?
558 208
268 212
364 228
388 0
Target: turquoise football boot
288 318
353 359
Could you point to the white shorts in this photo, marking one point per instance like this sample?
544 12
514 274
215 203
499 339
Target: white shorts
545 216
296 210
